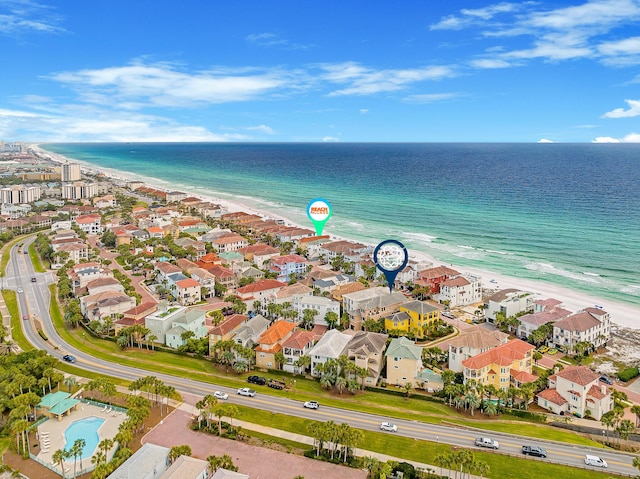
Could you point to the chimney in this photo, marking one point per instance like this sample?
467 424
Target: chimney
603 388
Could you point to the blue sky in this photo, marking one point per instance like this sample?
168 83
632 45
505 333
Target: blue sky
282 71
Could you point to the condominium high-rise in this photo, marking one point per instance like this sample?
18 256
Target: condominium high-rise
19 194
70 172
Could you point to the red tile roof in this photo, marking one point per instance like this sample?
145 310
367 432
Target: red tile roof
581 375
552 396
503 355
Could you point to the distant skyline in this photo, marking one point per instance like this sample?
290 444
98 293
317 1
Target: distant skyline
303 71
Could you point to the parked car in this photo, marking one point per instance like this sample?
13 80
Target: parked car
387 426
590 460
606 379
543 349
246 392
257 380
311 404
487 442
220 395
534 451
69 358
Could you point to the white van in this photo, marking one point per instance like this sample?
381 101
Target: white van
594 461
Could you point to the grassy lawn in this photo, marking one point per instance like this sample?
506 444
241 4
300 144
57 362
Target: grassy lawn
11 300
502 466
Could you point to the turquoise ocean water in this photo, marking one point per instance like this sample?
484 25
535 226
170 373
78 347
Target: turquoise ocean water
566 214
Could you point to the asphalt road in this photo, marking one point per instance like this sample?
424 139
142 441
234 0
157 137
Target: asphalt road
34 301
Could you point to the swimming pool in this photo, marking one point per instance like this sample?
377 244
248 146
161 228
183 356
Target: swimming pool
86 429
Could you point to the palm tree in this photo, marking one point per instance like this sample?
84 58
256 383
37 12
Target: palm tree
81 443
407 388
58 458
70 382
635 409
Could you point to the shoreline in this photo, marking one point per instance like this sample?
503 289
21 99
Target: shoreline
624 315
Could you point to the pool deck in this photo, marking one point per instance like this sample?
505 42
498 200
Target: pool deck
54 430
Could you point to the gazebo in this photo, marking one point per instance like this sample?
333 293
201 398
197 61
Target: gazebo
58 404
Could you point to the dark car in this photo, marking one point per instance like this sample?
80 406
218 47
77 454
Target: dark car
33 279
607 380
69 358
257 380
534 451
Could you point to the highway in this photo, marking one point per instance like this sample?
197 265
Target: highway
35 300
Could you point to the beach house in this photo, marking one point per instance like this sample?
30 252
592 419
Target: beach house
504 366
508 302
404 362
590 326
576 390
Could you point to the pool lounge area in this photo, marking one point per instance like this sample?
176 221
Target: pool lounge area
83 421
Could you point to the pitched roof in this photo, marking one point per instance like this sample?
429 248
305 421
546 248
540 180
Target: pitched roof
552 396
229 324
187 283
276 332
580 321
578 374
142 308
299 339
420 307
456 282
365 342
403 348
331 344
478 337
503 355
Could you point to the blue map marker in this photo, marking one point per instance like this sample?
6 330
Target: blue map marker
390 257
319 212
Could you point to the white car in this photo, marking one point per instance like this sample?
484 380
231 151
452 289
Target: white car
221 395
246 392
387 426
312 404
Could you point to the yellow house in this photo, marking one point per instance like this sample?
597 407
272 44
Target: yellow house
404 362
412 317
501 366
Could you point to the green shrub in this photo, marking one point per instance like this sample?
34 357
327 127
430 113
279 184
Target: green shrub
628 374
42 335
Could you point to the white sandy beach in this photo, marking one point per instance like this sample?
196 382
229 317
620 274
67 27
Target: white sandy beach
624 315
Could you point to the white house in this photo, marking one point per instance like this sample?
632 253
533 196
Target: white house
576 390
592 325
320 304
461 290
509 302
193 320
330 346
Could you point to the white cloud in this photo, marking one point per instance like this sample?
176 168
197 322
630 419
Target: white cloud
545 140
330 139
268 39
162 85
560 34
634 110
490 63
367 81
262 128
471 16
20 17
364 111
630 138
